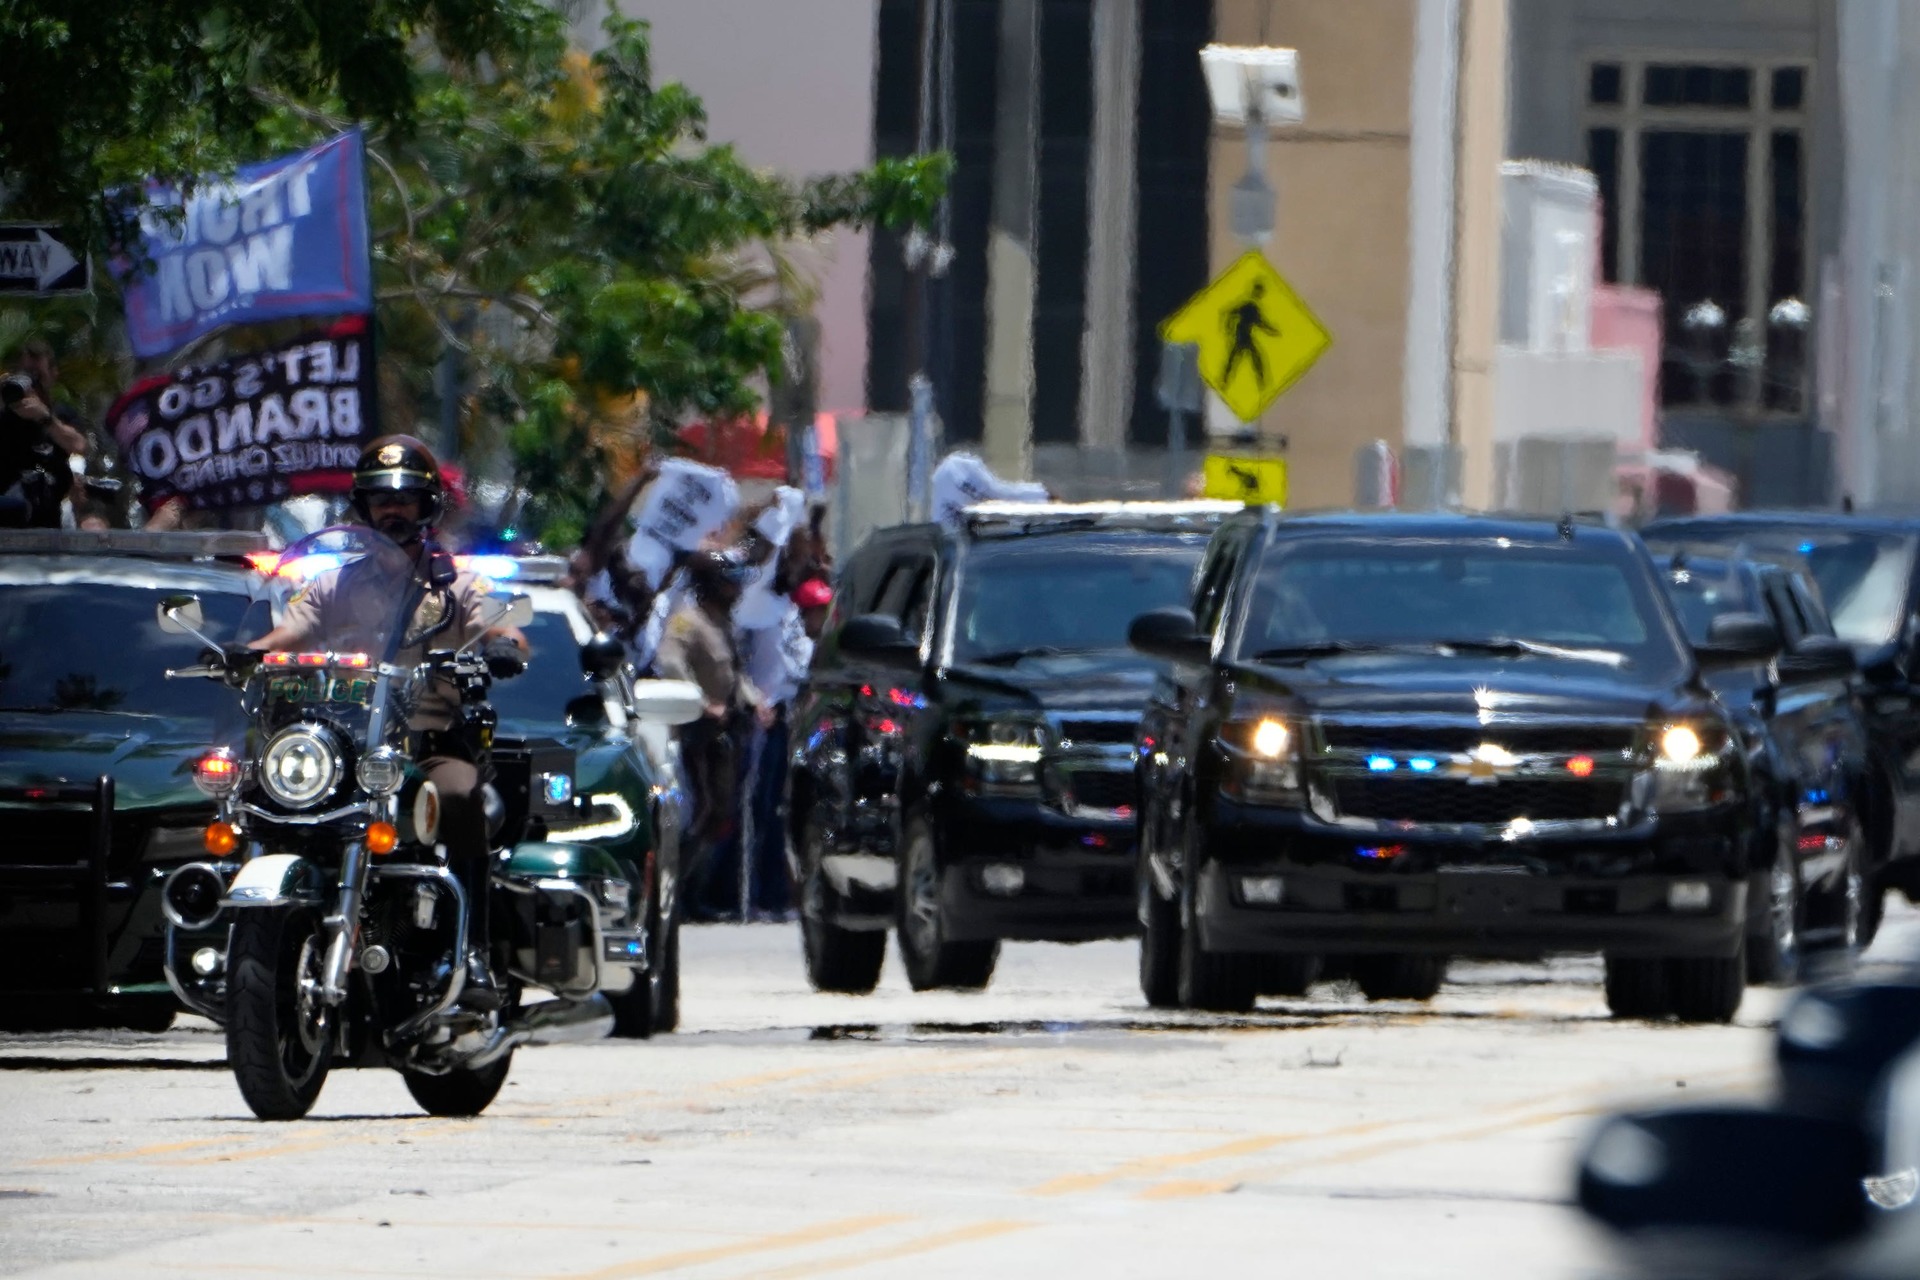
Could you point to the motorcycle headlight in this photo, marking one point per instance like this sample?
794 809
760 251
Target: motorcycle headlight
300 767
1262 757
1004 753
381 771
1692 767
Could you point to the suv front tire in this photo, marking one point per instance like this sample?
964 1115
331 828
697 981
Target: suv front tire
933 962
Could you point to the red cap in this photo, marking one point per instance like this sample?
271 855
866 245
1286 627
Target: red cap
814 593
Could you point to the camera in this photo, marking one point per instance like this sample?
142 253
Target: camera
16 387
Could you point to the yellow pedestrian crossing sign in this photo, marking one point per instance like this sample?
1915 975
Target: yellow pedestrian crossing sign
1245 478
1256 337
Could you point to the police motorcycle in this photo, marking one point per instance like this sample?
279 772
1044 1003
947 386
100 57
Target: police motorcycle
326 927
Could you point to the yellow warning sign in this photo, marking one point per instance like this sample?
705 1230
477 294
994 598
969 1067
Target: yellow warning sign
1256 337
1238 478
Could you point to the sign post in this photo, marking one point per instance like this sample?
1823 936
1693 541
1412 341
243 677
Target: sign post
36 261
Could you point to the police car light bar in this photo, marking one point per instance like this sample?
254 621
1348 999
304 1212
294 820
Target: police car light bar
174 544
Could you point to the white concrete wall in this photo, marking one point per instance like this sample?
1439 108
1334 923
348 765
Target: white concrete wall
790 84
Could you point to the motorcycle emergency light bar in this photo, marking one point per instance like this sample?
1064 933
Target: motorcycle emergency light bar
513 568
287 659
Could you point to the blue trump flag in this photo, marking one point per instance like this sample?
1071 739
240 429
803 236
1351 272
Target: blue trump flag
285 237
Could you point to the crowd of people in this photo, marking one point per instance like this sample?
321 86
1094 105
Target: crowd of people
735 611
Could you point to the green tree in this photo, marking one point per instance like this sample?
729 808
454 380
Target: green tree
560 220
97 96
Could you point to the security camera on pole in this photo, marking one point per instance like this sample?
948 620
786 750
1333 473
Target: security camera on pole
1250 335
1254 88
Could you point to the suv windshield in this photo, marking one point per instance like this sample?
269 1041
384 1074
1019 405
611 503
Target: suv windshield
1067 593
96 646
1701 592
1516 600
1863 577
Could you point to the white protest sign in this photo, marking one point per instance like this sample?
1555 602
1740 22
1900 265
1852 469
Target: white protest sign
686 503
962 479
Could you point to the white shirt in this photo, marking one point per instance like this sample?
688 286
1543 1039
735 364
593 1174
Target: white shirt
776 658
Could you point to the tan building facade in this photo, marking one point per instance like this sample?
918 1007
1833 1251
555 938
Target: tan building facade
1387 225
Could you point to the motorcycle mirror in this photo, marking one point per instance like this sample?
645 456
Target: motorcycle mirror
668 702
586 710
180 615
519 612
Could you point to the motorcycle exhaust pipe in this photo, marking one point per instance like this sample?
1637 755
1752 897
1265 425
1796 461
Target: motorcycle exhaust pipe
566 1021
190 899
553 1022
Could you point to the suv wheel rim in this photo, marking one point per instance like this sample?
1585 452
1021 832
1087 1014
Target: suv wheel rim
1781 896
923 897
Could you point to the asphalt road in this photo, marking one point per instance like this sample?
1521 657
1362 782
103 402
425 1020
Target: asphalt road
1051 1126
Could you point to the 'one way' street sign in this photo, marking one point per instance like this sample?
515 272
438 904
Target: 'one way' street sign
33 260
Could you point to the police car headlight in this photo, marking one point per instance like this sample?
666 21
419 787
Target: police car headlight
300 767
1693 767
1004 754
381 771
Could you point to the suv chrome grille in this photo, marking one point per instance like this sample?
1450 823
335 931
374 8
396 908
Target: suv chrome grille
1098 732
1097 789
1458 802
1441 739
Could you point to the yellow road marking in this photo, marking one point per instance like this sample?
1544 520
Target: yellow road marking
157 1149
906 1249
1146 1165
1149 1165
759 1244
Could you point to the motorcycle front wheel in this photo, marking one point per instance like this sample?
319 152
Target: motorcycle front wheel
279 1030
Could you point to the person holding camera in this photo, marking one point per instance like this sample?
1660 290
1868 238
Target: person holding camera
36 441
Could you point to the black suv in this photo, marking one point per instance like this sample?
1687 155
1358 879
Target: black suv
1807 750
963 758
1868 571
1399 738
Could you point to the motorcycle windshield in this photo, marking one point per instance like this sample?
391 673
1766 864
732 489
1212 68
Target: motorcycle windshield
358 600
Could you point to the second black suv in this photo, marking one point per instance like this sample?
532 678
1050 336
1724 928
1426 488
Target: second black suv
963 766
1400 738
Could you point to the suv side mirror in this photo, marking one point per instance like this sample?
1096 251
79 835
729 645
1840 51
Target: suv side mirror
1170 634
1819 658
874 637
1738 640
601 656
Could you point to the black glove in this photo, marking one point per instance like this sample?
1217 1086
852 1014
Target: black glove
238 660
504 659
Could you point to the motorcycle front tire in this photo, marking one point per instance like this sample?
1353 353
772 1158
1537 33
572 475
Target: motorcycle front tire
279 1040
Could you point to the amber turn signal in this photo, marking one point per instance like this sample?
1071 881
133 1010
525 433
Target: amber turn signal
381 837
221 839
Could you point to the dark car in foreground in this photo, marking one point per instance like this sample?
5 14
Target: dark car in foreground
97 751
964 760
1401 738
1868 571
1806 749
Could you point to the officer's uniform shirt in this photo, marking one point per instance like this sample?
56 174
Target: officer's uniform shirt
352 610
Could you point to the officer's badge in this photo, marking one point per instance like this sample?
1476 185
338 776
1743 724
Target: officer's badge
392 455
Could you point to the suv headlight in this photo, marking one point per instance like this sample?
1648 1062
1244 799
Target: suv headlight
1004 754
1262 759
1693 767
300 766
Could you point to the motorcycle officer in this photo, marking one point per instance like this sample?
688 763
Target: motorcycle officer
397 490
